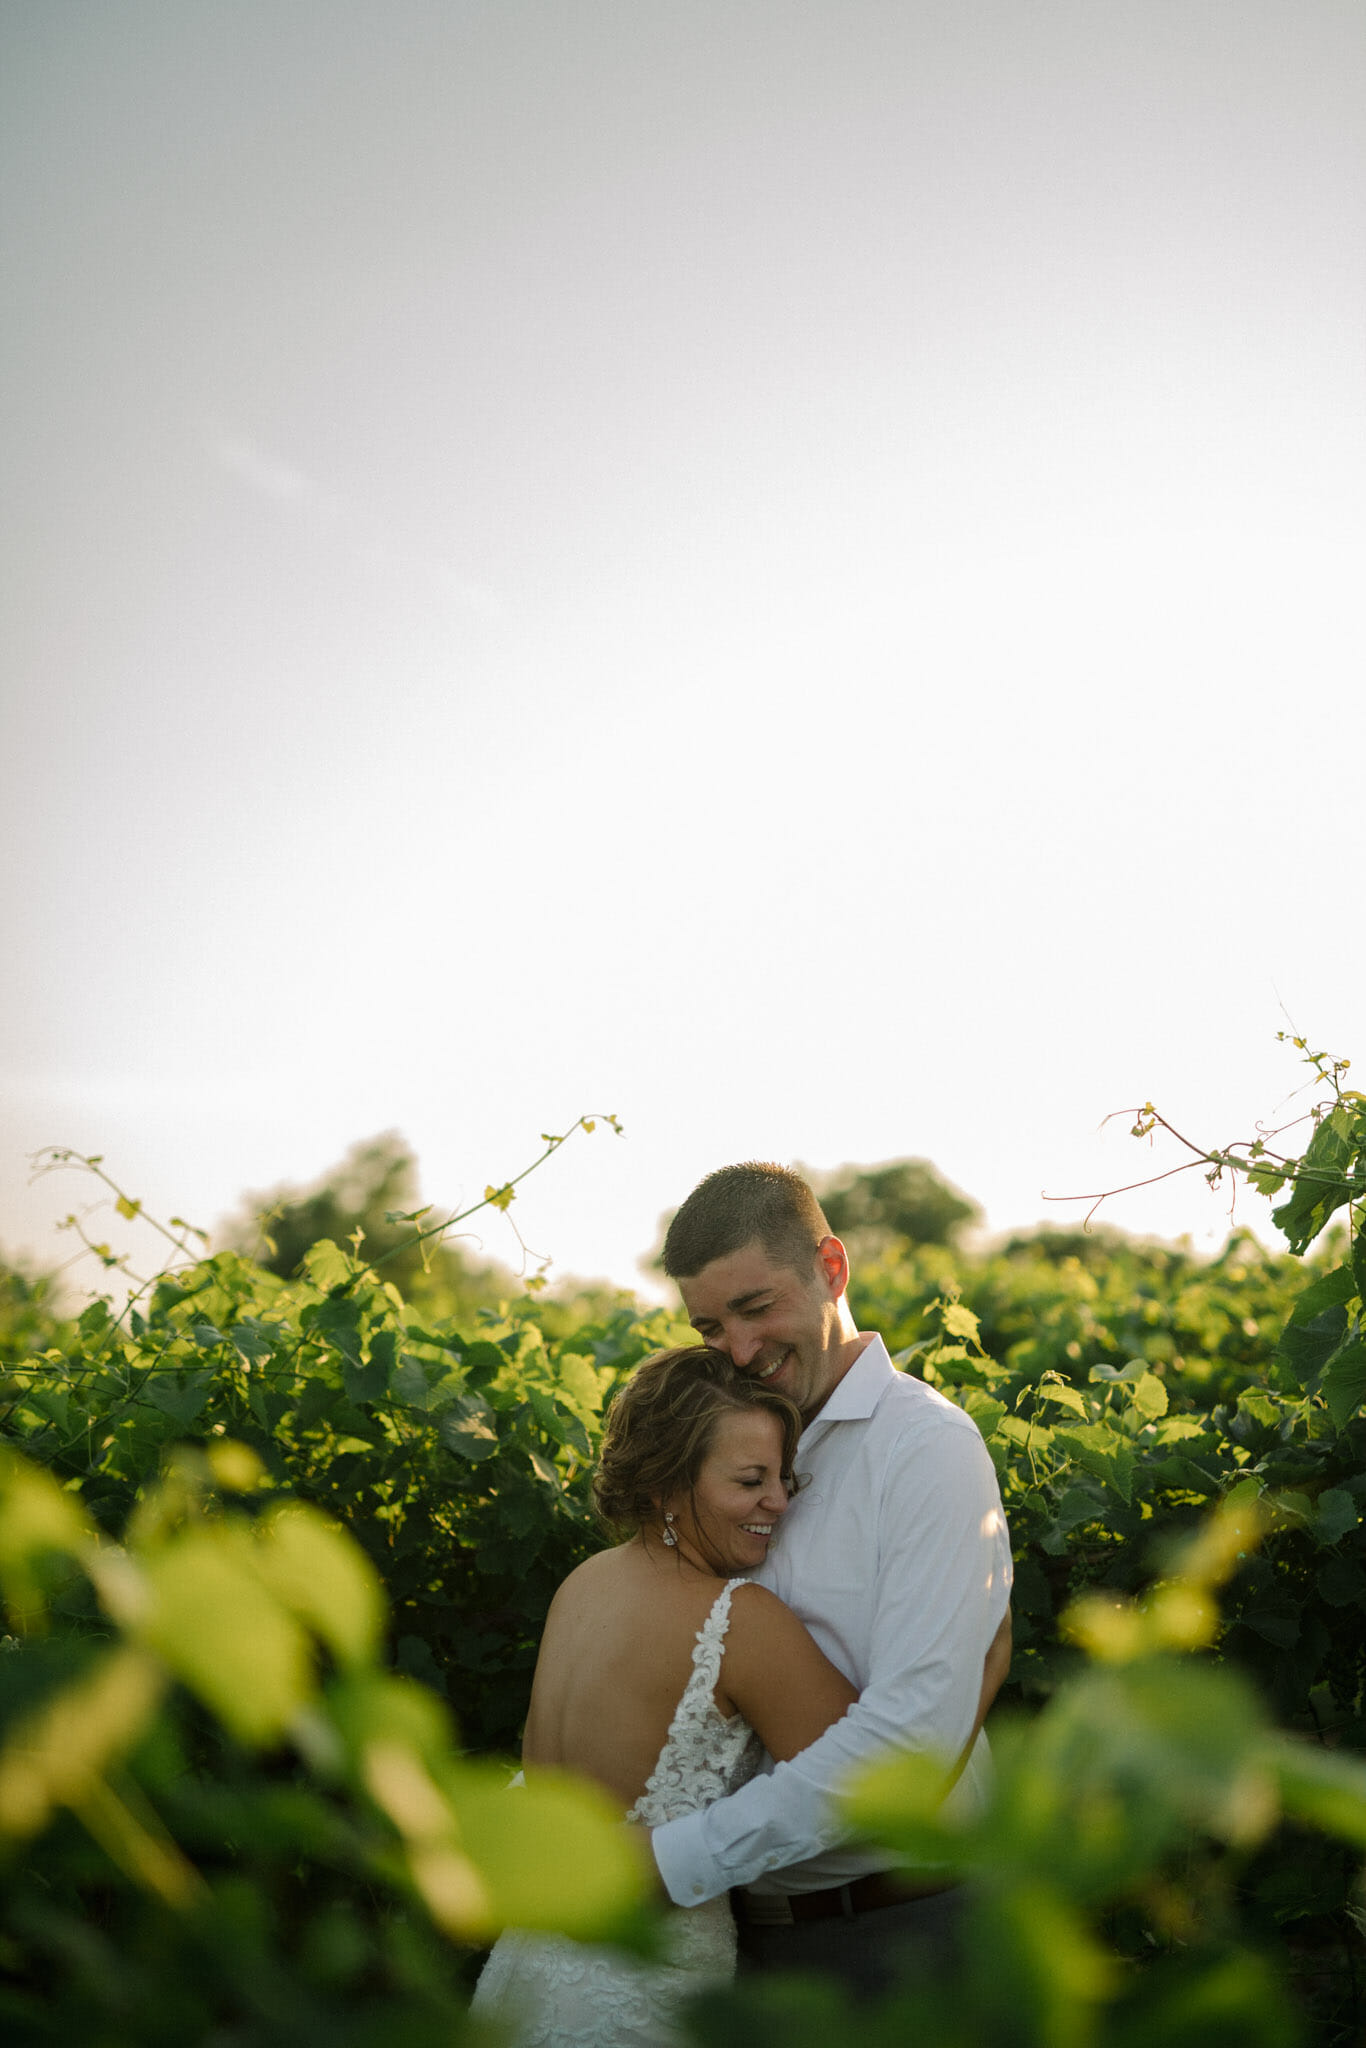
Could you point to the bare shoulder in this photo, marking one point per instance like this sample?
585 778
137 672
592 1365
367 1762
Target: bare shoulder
590 1582
753 1606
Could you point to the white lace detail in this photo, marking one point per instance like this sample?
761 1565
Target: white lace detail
563 1994
704 1755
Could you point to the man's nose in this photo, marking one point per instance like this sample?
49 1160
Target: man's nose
744 1347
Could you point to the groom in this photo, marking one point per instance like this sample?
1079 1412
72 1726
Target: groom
895 1554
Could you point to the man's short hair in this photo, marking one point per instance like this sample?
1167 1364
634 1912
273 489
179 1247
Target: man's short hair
738 1205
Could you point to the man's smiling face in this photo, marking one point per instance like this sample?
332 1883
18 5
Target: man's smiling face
782 1326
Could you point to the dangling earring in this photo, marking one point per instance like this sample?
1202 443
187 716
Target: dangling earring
669 1536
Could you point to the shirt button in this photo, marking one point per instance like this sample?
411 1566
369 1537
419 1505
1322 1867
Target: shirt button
697 1891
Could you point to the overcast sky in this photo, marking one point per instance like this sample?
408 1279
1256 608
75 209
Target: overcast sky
790 571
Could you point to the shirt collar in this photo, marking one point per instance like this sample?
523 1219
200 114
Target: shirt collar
856 1396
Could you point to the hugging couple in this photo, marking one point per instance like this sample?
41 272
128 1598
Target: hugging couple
815 1570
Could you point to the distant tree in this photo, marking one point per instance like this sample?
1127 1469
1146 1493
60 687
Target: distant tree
871 1206
376 1180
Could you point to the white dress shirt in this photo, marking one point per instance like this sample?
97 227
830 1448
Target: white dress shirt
895 1554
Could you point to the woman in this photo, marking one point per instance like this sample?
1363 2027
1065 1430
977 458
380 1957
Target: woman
664 1674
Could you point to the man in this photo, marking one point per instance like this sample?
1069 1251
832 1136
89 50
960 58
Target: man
894 1553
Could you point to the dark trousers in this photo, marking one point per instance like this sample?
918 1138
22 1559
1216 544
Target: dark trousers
868 1952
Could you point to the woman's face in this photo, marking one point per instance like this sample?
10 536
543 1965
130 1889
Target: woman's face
739 1497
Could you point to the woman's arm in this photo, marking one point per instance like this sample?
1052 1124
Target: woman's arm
993 1678
786 1688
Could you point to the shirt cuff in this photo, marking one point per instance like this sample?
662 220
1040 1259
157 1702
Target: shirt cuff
689 1873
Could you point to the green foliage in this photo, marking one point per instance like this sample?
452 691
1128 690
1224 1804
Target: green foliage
1104 1905
230 1813
238 1465
458 1463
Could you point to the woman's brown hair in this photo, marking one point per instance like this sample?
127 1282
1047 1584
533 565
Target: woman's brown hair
660 1428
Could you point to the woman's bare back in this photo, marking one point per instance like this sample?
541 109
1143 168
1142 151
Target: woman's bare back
617 1652
614 1660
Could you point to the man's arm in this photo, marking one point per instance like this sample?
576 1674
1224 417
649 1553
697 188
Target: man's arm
943 1582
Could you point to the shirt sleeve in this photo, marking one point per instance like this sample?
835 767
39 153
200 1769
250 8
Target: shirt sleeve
943 1583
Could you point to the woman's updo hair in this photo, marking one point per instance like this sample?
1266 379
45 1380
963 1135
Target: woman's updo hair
660 1428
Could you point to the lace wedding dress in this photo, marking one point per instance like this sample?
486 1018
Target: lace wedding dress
556 1993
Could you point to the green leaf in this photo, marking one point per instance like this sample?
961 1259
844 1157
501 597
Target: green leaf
182 1402
324 1578
1306 1348
1066 1396
1048 1974
1077 1507
254 1340
1102 1451
1260 1407
1341 1582
408 1383
582 1382
1328 1292
1150 1396
1175 1429
217 1629
1321 1181
1136 1369
466 1428
1196 2001
483 1362
986 1412
1324 1787
899 1802
318 1399
543 1469
366 1382
53 1754
1281 1629
1336 1514
524 1839
1343 1385
337 1322
327 1265
36 1519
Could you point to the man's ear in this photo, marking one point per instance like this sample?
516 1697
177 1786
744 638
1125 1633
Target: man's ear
834 1265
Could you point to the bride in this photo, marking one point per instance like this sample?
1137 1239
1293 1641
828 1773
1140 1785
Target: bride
664 1674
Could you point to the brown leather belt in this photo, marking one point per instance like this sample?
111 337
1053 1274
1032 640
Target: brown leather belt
841 1902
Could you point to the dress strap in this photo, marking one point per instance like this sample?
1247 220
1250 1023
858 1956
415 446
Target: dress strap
711 1641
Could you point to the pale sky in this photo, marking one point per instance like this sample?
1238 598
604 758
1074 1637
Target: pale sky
789 571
